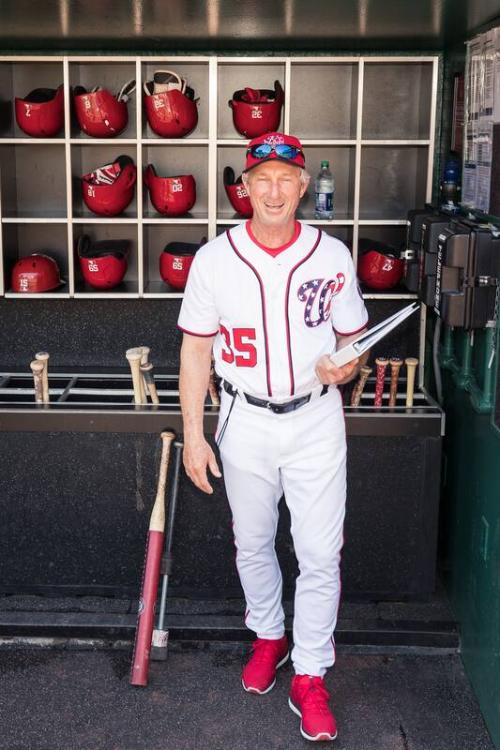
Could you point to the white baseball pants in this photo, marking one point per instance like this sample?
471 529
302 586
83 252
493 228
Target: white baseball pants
303 454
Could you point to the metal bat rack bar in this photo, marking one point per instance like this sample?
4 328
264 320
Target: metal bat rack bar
103 402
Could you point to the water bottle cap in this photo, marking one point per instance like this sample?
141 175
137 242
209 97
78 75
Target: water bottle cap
325 163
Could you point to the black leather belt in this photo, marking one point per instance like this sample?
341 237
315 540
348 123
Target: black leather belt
282 408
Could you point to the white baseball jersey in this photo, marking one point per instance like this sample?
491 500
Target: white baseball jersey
273 317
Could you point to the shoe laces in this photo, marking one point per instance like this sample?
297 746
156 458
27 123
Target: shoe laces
316 696
264 650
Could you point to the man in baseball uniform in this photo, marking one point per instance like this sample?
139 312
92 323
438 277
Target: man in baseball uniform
273 298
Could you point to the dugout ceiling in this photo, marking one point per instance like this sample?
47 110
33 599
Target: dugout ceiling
259 25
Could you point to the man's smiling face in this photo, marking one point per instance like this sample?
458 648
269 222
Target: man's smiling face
275 189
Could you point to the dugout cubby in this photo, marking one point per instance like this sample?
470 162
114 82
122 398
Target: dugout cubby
33 181
18 79
110 75
155 237
22 239
330 91
392 178
129 287
173 160
88 157
342 165
394 235
396 100
197 76
234 75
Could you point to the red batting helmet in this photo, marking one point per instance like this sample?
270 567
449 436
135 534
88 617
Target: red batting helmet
104 263
237 194
35 273
257 111
172 196
175 262
170 105
41 112
108 190
99 113
379 265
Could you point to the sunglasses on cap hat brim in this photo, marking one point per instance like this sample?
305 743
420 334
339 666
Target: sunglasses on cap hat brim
282 150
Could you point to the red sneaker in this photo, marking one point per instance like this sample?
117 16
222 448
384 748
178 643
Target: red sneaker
309 700
259 674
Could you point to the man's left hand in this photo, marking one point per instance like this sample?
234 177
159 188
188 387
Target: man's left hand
330 374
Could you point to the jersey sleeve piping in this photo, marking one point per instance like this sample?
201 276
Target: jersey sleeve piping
194 333
339 333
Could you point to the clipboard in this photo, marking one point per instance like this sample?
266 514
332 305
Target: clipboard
369 338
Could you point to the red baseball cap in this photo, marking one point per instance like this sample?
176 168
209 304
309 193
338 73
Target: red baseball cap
271 146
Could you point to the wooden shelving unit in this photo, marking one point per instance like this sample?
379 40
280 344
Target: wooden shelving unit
356 111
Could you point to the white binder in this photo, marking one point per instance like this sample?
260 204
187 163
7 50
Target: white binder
369 338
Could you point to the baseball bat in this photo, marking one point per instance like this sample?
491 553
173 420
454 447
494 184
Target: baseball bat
395 363
151 573
43 357
381 363
145 350
134 360
147 374
411 366
160 634
358 389
37 370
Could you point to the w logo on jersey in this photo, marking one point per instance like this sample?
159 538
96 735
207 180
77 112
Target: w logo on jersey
318 295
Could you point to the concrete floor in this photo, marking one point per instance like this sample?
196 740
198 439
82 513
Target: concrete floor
67 699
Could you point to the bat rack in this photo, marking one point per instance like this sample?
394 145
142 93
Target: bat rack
103 402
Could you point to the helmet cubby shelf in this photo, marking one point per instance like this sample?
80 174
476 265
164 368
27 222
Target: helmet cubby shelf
164 247
352 110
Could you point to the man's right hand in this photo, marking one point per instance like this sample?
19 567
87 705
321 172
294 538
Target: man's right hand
197 455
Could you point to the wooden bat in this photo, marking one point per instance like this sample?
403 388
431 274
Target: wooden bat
43 357
411 366
395 363
37 370
144 361
381 363
159 642
134 360
357 392
147 374
151 573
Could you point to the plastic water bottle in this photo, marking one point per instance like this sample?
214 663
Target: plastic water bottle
450 184
324 189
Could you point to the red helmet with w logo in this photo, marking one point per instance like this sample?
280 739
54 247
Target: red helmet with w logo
170 105
108 190
41 112
379 265
35 273
257 111
100 113
237 194
175 262
104 263
171 196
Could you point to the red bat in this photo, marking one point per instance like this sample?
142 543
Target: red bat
151 573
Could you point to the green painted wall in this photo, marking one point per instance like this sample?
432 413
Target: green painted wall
471 493
471 497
